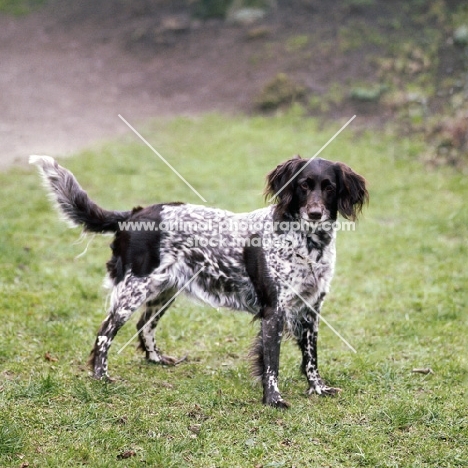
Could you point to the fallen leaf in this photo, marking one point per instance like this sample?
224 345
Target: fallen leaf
166 385
197 413
126 454
426 370
195 428
49 357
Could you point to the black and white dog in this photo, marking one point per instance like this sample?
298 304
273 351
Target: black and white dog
276 262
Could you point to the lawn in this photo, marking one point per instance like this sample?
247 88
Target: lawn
19 7
399 297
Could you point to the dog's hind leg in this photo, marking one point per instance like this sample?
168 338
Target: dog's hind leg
127 296
155 309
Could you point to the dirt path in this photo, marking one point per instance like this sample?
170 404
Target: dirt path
68 71
62 89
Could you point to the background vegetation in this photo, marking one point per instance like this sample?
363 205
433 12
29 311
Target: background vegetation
399 62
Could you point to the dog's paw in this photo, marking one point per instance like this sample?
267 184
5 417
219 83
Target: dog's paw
281 404
323 390
172 361
102 377
276 401
163 360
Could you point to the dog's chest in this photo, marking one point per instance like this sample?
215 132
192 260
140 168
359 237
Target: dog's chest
303 271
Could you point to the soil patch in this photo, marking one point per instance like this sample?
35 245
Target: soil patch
69 69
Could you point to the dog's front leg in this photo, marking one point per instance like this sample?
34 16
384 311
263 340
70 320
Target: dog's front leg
307 341
272 330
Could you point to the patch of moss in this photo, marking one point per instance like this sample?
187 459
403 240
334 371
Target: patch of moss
20 7
297 43
369 93
206 9
358 33
358 6
279 91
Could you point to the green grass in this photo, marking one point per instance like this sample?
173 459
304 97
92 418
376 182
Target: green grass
20 7
399 296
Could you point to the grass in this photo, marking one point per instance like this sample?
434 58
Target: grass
20 7
399 296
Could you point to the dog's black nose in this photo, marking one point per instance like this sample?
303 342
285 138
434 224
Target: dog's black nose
315 214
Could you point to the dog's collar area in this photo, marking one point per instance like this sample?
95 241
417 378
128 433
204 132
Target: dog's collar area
305 260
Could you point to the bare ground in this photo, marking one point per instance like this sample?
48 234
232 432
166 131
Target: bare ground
69 70
61 90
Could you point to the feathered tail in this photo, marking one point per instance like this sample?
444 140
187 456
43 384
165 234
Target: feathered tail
73 202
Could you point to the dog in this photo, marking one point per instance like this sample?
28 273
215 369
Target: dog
276 262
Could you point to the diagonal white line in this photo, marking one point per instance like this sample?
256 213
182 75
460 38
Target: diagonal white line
311 159
320 316
161 309
162 159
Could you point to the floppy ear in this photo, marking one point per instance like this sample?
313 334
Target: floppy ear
351 191
277 180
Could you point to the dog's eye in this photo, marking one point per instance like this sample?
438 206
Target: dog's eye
329 188
305 186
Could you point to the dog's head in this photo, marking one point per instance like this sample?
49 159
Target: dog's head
316 190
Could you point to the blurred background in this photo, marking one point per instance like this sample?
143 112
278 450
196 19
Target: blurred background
68 68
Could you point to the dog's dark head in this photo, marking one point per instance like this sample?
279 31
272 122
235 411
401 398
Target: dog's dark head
316 190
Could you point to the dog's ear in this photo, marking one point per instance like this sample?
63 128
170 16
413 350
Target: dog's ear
277 181
352 193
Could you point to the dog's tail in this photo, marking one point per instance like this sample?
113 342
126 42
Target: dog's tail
73 202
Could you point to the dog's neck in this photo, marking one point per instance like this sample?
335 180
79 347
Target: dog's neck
319 239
